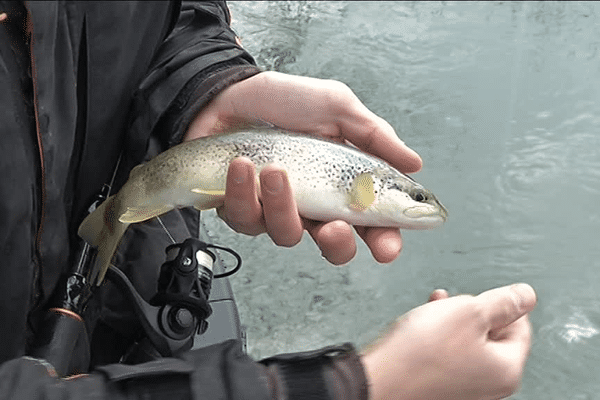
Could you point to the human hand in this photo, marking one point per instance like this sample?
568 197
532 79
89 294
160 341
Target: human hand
464 347
308 105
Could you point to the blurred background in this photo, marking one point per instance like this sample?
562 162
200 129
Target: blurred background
501 101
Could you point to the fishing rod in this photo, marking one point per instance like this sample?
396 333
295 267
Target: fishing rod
170 320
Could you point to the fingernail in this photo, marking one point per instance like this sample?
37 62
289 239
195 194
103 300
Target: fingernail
241 177
526 295
273 182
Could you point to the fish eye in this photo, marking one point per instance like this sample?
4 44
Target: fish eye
420 197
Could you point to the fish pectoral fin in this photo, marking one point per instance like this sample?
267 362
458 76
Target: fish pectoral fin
209 192
139 214
362 193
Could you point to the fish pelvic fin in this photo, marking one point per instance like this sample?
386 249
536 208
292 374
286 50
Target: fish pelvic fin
209 192
139 214
208 198
103 230
362 193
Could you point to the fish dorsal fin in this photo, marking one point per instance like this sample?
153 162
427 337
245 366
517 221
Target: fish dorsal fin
139 214
136 170
362 194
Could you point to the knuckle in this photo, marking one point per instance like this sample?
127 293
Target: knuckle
242 223
338 87
241 216
338 96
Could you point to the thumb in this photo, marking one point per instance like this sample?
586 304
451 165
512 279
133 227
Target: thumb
438 294
503 306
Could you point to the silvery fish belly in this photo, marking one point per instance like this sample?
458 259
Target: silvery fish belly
330 181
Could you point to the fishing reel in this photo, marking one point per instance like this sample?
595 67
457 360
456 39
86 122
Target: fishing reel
179 309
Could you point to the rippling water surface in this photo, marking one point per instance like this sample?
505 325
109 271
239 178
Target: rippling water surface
501 101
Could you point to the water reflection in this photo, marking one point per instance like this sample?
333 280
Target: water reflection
501 101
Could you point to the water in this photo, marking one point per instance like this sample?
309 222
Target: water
501 101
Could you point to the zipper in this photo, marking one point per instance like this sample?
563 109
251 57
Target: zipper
36 295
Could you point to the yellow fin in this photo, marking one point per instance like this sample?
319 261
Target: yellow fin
209 192
94 223
362 194
207 205
208 198
139 214
102 230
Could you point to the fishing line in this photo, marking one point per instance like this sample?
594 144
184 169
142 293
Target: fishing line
114 175
165 229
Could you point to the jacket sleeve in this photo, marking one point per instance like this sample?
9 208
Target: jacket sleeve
220 371
198 59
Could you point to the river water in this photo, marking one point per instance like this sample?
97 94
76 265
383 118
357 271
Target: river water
501 100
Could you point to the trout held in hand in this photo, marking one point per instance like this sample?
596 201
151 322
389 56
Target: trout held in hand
330 181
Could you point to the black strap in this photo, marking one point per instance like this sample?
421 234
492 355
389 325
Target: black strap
303 373
304 379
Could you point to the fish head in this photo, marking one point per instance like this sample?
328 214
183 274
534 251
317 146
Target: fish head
410 205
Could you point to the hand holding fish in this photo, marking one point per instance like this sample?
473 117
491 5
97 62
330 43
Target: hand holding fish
314 106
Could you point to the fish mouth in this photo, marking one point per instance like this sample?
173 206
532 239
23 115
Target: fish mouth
428 211
443 210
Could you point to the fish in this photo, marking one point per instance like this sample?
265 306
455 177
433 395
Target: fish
330 181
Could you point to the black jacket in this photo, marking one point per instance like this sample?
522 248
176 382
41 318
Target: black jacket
80 84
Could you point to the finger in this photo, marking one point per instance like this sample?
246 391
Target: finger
511 346
284 225
335 239
519 331
438 294
241 209
385 243
505 305
375 136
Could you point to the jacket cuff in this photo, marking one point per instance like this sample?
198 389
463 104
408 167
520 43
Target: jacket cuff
197 93
331 373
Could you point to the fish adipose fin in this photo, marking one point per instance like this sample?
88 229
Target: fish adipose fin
362 194
139 214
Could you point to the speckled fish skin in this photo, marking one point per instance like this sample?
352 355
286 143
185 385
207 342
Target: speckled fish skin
320 172
322 175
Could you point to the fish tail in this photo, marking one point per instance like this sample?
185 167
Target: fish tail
92 225
106 250
102 229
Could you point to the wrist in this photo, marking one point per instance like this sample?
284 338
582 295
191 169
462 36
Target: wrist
375 374
388 378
